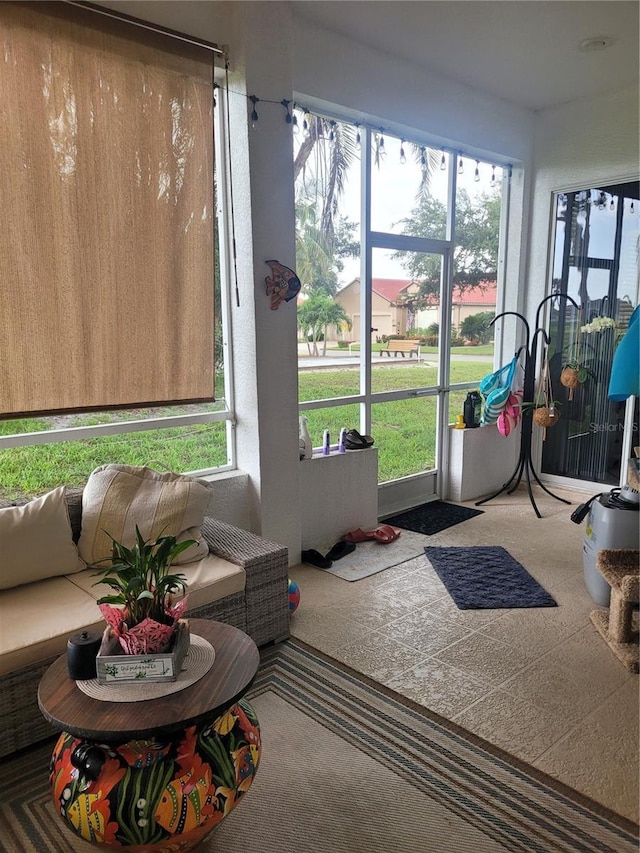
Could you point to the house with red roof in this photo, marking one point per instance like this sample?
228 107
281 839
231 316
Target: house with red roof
391 316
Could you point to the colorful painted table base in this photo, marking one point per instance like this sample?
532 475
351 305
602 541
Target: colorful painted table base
157 795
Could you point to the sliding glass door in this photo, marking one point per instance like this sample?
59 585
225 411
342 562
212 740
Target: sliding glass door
595 261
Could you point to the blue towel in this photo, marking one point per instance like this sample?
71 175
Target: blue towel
625 370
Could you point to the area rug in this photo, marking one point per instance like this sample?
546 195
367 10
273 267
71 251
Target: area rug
432 517
486 578
369 558
350 767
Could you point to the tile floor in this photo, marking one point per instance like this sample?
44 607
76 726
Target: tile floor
539 683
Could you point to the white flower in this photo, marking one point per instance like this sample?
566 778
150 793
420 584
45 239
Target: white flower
598 324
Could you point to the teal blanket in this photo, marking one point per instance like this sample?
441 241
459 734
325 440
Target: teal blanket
625 370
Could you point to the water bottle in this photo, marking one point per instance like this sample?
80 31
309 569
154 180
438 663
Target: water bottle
472 410
304 439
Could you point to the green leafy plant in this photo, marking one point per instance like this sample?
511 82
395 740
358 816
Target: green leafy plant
141 577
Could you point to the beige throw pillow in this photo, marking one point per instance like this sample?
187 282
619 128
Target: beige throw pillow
36 541
119 497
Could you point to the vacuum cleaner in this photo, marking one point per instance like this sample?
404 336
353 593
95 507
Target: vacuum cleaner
612 522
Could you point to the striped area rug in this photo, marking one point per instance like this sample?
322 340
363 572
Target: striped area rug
350 767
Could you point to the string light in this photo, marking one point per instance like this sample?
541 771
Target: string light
476 174
460 167
254 113
305 127
443 161
332 134
296 126
403 156
612 205
423 157
493 180
288 118
632 208
358 138
381 141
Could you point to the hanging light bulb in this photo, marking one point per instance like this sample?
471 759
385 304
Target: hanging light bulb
358 138
381 141
254 112
443 161
460 166
296 126
403 156
423 157
288 117
305 127
493 180
632 208
476 174
612 204
332 134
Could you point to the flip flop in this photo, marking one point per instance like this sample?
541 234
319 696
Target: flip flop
358 535
340 550
386 533
315 558
354 441
383 534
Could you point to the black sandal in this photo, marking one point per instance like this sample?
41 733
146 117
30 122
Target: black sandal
354 441
340 550
315 558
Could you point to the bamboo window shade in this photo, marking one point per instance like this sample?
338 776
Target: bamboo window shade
107 235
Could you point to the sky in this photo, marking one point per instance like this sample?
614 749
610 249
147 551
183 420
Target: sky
394 189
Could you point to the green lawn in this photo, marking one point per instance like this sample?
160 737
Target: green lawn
404 433
482 349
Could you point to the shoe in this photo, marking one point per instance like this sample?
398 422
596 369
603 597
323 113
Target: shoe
383 534
340 550
354 441
315 558
386 533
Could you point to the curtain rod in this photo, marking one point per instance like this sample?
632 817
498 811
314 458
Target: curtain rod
147 25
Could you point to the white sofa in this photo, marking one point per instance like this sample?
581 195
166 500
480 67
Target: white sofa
242 581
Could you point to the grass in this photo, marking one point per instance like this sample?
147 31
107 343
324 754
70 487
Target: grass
404 433
481 349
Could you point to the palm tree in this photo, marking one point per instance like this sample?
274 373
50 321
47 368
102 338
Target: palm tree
315 315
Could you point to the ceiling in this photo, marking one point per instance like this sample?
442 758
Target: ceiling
525 52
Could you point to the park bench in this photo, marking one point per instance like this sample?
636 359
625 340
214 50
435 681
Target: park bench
395 347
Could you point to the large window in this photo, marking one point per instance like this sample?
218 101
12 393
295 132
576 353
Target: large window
110 276
395 241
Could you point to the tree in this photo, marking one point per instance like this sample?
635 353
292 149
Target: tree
475 255
478 327
315 314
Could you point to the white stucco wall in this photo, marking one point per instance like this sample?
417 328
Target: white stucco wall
576 146
273 57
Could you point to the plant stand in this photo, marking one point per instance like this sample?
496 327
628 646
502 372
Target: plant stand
524 466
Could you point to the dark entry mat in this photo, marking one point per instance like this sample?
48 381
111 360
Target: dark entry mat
432 517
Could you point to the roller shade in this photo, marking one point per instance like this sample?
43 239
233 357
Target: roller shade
107 228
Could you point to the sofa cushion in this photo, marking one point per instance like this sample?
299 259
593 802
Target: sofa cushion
208 580
119 497
37 619
36 541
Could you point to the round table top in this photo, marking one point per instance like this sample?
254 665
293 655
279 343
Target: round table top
234 668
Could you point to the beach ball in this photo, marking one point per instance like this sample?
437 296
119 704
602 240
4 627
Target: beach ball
294 596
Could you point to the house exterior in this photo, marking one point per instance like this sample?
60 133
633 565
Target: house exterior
465 303
390 316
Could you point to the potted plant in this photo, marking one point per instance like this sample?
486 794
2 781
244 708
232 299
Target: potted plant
574 369
144 587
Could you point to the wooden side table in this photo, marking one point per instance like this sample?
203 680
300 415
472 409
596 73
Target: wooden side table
151 775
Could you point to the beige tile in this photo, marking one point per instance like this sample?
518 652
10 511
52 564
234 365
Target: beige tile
446 608
487 659
573 678
600 755
514 724
424 631
536 630
325 628
438 686
377 656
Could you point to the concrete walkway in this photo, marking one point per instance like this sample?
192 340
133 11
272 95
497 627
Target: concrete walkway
343 358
